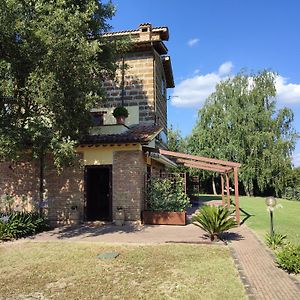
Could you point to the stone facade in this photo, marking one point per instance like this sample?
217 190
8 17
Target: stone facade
145 78
63 191
140 87
19 180
129 169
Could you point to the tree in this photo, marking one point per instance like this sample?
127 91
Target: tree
52 62
239 122
176 142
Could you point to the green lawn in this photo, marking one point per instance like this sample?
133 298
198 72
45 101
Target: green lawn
71 270
286 219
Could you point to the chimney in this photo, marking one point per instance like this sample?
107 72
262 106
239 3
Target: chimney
145 31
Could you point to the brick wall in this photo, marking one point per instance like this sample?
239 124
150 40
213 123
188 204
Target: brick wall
143 87
62 190
129 170
139 85
156 168
160 93
20 179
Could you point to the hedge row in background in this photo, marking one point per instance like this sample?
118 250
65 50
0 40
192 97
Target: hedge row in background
292 194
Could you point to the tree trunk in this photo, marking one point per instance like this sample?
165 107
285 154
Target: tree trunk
214 186
41 178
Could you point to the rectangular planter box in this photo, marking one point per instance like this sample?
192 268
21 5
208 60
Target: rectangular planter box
164 218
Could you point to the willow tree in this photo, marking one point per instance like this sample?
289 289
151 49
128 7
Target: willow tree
239 122
53 59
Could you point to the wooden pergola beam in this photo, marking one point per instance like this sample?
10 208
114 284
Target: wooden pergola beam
200 158
227 190
201 164
236 194
222 186
193 165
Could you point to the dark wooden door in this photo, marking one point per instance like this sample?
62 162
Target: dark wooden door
98 193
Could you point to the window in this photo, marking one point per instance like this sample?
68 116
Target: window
97 118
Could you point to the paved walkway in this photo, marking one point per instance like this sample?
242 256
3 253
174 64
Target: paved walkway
147 234
262 279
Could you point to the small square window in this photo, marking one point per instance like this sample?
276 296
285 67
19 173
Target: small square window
97 118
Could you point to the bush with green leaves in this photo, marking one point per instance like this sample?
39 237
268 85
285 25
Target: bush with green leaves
164 194
120 111
275 240
214 220
289 258
21 224
292 194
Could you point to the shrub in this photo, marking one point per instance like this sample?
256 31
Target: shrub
166 195
21 224
289 258
275 240
292 194
120 111
214 220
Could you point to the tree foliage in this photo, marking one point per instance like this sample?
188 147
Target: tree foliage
176 142
52 62
239 122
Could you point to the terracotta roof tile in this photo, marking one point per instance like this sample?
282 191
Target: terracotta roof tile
135 134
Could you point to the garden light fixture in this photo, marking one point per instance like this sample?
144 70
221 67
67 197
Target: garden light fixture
271 204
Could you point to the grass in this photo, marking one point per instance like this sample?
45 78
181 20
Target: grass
286 219
71 270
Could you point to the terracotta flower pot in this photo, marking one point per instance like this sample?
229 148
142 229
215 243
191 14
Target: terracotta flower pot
120 120
164 218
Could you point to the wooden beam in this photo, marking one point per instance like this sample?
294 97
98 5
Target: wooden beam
236 192
200 158
222 185
227 190
201 164
193 165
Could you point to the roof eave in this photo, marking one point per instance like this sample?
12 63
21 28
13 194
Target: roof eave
168 71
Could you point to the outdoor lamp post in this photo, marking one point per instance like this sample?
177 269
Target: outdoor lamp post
271 203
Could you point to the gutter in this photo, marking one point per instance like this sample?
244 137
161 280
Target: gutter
162 159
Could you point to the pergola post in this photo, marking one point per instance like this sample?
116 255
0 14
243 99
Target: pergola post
227 190
236 193
222 185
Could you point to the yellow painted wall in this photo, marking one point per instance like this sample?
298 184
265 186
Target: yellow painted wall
103 155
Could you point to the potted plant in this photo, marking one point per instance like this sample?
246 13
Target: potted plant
120 113
166 202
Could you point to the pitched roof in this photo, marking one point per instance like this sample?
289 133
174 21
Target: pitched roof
163 31
139 133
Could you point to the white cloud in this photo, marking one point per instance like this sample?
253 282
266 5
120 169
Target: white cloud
296 159
225 68
287 93
192 92
193 42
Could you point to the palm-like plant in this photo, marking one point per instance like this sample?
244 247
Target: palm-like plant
214 220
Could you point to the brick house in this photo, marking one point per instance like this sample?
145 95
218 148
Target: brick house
113 159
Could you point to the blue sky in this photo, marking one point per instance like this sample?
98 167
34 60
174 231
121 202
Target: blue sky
210 40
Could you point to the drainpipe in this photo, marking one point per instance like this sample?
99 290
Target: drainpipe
154 84
123 81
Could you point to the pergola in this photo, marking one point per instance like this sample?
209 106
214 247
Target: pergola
211 164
